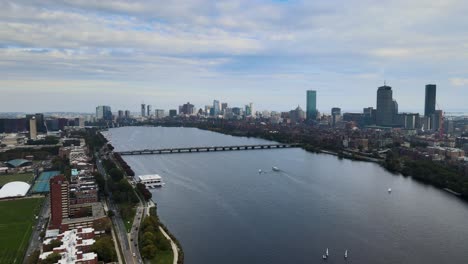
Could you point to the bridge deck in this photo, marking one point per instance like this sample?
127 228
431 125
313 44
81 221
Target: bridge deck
206 149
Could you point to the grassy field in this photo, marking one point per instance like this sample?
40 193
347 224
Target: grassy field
16 222
25 177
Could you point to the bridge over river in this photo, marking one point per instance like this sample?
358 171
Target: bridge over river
207 149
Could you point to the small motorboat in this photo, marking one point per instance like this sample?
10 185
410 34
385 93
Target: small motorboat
260 171
389 190
275 169
346 254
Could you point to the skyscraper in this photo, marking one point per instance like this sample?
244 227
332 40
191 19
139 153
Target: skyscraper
252 110
385 106
148 110
336 115
127 113
103 112
216 107
311 105
59 201
430 102
32 128
143 109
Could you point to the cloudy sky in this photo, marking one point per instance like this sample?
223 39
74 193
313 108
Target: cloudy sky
75 54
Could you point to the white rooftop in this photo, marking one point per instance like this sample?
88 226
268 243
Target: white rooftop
13 189
149 177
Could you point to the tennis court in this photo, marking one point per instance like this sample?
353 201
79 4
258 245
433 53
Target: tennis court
42 182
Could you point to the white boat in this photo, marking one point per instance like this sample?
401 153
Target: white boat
324 256
260 171
346 254
389 190
326 252
275 169
151 181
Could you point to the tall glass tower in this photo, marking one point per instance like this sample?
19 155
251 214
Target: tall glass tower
430 102
311 105
385 106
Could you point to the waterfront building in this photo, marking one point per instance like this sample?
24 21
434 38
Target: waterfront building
311 108
159 113
385 106
172 112
430 100
127 113
187 109
150 181
120 114
103 112
143 110
32 128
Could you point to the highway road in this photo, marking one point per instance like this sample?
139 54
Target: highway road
128 241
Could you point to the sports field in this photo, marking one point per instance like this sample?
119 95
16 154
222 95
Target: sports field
17 218
24 177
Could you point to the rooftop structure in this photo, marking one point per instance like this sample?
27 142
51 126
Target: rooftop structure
75 246
18 163
14 189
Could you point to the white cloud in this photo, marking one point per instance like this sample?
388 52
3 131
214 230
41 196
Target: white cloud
459 82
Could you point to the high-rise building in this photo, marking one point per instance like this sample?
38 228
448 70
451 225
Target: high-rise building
103 112
248 110
436 120
127 113
336 115
32 128
148 110
252 110
159 113
430 102
385 106
143 110
216 107
121 114
224 106
369 115
297 115
187 109
311 108
59 201
172 112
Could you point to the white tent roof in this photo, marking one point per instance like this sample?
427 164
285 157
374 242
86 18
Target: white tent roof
13 189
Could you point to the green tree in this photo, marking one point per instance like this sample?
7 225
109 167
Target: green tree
104 248
148 251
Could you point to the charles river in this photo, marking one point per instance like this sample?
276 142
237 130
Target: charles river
223 211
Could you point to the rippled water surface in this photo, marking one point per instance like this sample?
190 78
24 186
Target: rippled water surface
223 211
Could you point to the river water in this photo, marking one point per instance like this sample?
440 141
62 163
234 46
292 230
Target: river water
223 211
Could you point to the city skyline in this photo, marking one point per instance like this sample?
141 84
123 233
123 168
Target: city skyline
76 55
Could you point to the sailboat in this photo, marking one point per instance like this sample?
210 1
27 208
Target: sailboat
326 254
346 254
